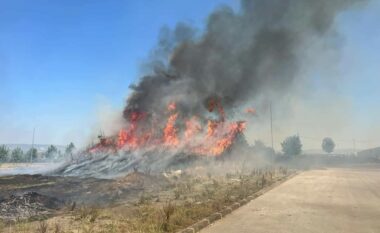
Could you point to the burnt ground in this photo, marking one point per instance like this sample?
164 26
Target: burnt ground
137 202
28 196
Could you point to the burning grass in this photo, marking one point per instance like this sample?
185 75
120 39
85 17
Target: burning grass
181 202
189 134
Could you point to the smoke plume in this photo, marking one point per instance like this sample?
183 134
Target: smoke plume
241 56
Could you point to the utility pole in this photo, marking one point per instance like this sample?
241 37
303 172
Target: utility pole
32 151
271 124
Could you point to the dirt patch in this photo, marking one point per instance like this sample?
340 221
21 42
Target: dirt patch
28 205
91 191
143 179
30 197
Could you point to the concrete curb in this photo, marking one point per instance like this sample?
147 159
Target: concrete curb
228 209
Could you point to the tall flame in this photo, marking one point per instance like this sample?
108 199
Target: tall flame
212 140
170 131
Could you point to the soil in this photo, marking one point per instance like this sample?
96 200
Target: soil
28 196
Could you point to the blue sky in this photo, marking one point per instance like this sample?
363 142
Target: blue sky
60 59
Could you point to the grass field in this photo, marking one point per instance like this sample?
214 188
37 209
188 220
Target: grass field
182 201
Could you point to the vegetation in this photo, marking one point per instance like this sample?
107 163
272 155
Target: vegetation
70 149
31 155
51 152
4 153
17 155
199 197
292 146
328 145
260 148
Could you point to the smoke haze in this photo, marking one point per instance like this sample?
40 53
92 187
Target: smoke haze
255 56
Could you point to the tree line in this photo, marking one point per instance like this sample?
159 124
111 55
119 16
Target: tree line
17 155
292 145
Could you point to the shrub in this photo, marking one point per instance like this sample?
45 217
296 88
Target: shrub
292 146
328 145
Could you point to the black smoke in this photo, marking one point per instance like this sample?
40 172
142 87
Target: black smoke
256 51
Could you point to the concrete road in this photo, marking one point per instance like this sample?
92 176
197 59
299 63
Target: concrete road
328 201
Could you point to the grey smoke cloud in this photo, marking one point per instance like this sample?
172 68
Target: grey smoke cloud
240 57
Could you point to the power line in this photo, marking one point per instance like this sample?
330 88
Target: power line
271 124
32 151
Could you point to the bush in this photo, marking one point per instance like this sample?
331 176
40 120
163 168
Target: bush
328 145
51 152
292 146
4 153
31 154
17 155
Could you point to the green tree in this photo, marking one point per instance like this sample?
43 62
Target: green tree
31 154
17 155
328 145
70 149
4 153
292 146
59 155
51 152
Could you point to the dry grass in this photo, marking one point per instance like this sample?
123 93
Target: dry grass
42 227
57 228
87 213
182 204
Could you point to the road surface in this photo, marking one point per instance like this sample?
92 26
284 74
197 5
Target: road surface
328 201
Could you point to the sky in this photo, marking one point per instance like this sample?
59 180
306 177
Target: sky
64 62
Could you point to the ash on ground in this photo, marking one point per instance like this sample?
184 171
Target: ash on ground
28 205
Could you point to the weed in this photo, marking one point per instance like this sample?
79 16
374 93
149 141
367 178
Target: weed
88 228
94 214
73 205
177 193
145 199
57 228
168 210
263 181
88 213
208 192
215 183
42 227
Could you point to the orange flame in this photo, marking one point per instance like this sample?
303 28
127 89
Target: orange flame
172 106
214 140
170 132
193 127
211 127
251 111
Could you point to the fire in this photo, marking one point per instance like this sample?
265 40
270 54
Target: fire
123 138
172 106
226 141
209 138
215 103
222 139
211 127
251 111
170 131
193 127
